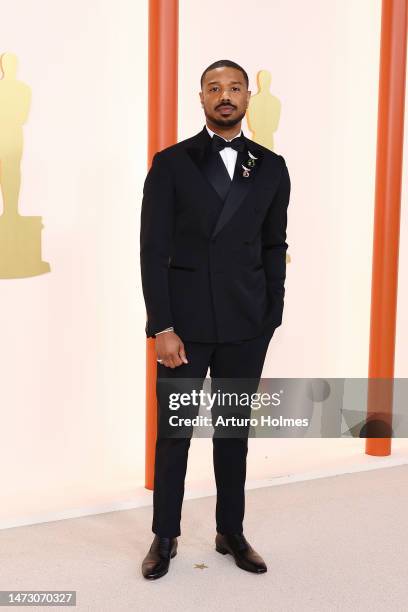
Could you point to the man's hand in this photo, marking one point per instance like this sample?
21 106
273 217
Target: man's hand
170 349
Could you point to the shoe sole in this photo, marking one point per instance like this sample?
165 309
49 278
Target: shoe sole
221 550
156 576
224 551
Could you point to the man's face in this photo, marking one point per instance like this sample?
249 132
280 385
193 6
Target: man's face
224 96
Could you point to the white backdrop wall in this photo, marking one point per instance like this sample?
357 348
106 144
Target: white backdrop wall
73 342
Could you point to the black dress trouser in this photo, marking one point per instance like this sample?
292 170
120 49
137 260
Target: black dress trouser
226 360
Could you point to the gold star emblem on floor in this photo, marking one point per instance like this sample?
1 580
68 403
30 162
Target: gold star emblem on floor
200 566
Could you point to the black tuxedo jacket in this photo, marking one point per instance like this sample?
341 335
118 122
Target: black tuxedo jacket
212 250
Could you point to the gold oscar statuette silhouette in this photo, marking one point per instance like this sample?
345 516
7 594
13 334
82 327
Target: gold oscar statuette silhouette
263 111
20 236
263 114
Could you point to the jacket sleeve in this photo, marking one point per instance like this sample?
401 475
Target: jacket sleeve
156 235
274 246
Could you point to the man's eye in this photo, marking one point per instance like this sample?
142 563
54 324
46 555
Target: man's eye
237 88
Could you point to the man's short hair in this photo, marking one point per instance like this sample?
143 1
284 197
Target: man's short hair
222 64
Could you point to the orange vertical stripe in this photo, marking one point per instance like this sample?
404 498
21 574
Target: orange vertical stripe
162 132
390 131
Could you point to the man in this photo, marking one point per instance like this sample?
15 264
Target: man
213 264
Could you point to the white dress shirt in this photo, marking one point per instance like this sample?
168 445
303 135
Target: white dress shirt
229 157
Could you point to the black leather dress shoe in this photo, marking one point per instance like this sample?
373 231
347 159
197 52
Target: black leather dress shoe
157 561
245 556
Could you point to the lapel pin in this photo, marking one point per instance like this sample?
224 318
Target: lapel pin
250 163
246 171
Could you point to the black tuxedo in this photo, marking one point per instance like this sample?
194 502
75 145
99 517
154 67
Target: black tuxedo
213 262
213 251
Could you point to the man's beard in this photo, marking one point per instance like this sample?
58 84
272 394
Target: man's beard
225 121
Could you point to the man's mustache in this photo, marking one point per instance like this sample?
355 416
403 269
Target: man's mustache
227 105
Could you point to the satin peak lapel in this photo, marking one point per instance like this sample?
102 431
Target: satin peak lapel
240 186
230 193
211 167
217 174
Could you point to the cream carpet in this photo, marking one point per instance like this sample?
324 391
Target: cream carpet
337 543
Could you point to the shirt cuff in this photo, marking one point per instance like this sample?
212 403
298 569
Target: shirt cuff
164 330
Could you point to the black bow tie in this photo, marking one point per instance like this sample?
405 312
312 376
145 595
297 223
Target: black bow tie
218 143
